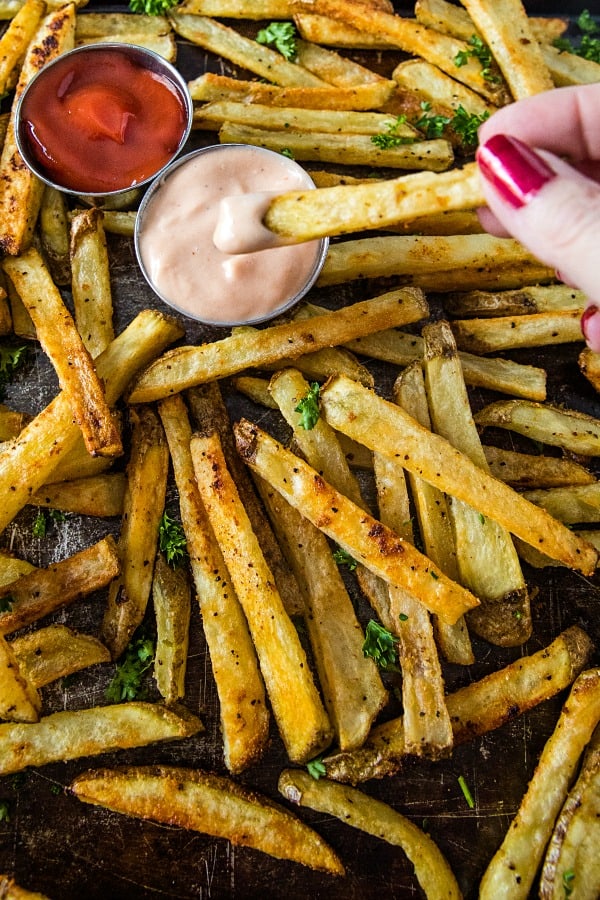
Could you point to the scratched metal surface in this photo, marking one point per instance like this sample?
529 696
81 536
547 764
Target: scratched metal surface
54 844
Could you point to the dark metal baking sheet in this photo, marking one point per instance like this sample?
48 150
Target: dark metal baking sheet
56 845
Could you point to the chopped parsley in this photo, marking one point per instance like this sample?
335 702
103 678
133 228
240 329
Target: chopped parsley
391 138
380 645
4 811
43 519
172 542
466 125
152 7
403 617
343 558
6 603
282 36
466 792
127 682
480 50
588 46
11 357
287 152
308 407
430 124
316 767
567 882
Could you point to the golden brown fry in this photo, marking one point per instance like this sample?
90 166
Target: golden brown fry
476 709
19 699
297 707
11 422
53 652
58 335
566 428
171 595
143 506
189 366
211 804
526 301
21 320
374 817
87 732
435 87
572 504
446 17
494 335
589 364
569 68
152 32
11 568
16 38
10 890
524 470
363 415
90 281
244 715
54 234
97 495
39 593
514 865
334 68
323 30
363 537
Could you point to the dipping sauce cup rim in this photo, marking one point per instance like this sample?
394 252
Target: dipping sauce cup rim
156 63
156 185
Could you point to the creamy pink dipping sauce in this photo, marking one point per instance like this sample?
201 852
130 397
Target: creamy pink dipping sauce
175 238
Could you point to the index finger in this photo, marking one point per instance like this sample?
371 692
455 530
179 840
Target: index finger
565 121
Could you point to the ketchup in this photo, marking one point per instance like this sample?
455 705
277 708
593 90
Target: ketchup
101 121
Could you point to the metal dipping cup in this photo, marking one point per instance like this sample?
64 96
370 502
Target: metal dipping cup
124 197
287 302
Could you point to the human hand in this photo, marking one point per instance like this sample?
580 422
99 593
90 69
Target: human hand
550 205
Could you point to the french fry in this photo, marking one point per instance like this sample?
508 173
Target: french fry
334 68
6 324
567 428
494 335
242 51
459 262
571 859
364 538
90 281
297 707
54 234
323 30
446 17
73 364
19 699
304 215
78 463
437 88
53 652
71 734
191 365
16 38
514 865
242 9
28 462
523 302
347 149
364 416
119 221
97 495
476 709
11 422
152 32
20 190
572 504
569 68
244 715
589 364
11 568
21 320
143 506
213 87
211 804
486 557
524 470
352 689
10 890
378 819
37 594
171 597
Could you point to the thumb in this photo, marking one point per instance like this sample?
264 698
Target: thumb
552 209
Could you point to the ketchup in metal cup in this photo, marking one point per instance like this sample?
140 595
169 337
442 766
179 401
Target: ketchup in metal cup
102 119
175 237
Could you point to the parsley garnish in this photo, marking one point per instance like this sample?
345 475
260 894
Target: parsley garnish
6 603
380 645
316 767
343 558
10 360
308 407
287 152
42 520
432 125
589 47
403 617
567 882
391 138
171 540
466 792
127 681
4 811
282 36
152 7
466 124
480 51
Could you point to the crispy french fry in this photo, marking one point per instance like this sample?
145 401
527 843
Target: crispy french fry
11 568
323 30
10 890
59 337
210 804
152 32
333 67
514 865
493 335
42 591
367 540
54 234
190 366
97 495
21 320
20 190
374 817
363 415
78 463
11 422
525 301
348 149
90 281
87 732
297 707
243 712
439 89
143 506
19 699
119 221
524 470
171 596
446 17
572 504
569 68
476 709
238 9
566 428
16 38
589 364
53 652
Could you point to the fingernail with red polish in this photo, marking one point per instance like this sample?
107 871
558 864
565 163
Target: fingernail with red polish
590 326
515 170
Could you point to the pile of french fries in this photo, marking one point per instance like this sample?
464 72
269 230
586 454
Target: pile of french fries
392 473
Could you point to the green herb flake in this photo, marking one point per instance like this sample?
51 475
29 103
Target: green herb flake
403 617
56 789
316 767
466 792
171 541
4 811
6 603
588 46
287 152
390 138
380 645
479 50
11 358
567 882
43 518
127 680
466 125
308 407
152 7
431 125
343 558
282 36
